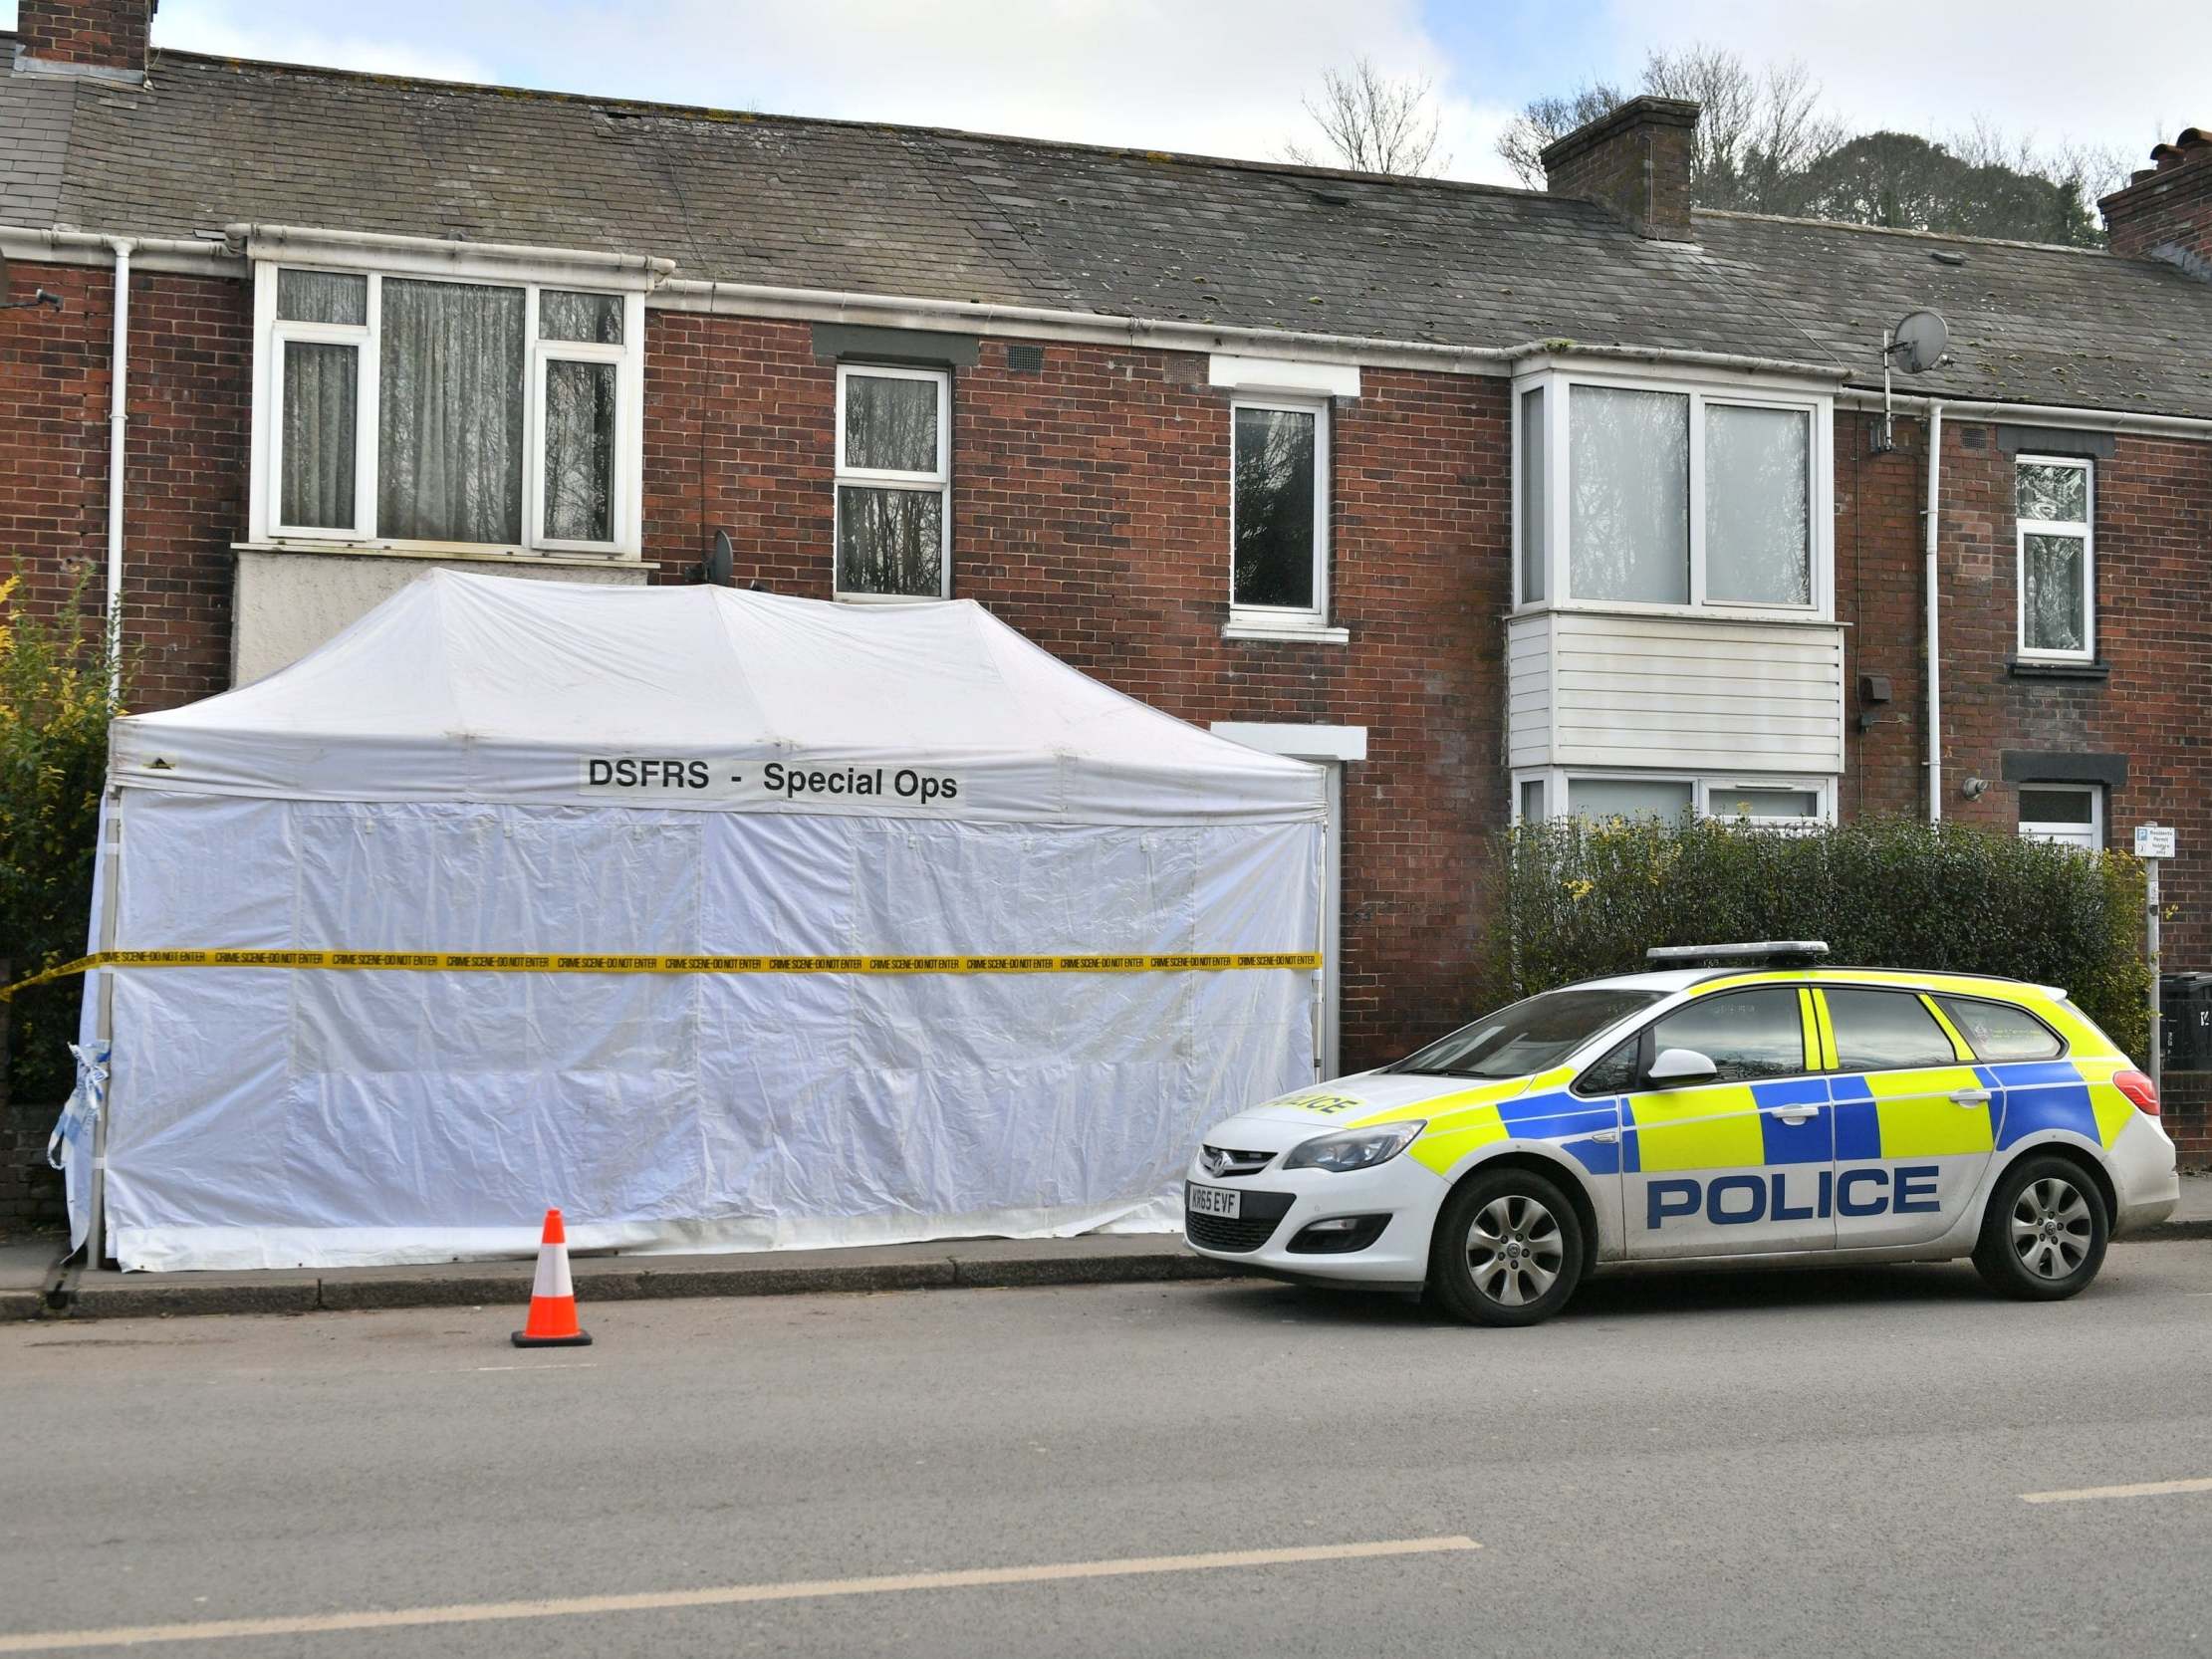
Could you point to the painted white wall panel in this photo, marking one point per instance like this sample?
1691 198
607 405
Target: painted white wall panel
1606 689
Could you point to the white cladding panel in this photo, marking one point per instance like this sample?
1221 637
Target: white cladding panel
1528 692
1681 693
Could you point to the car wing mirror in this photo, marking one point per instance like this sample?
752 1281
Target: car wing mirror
1679 1068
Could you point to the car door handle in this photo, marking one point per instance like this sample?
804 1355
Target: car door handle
1970 1097
1793 1115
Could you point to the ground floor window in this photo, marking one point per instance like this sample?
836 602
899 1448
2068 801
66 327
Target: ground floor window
2071 815
1763 800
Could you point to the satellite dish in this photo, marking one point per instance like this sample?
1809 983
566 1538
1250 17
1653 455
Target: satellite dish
721 562
1920 339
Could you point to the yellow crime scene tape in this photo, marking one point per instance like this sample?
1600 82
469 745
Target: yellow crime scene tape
522 962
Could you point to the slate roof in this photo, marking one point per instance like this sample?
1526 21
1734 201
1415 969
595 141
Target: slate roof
930 213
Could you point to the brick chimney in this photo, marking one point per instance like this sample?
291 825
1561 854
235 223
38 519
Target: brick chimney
1636 162
105 39
2165 211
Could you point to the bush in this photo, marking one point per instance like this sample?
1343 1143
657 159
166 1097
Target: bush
55 705
1580 899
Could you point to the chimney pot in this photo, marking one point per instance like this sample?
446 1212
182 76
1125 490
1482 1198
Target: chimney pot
2165 211
1636 162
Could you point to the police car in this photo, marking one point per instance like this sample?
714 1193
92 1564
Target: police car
1740 1103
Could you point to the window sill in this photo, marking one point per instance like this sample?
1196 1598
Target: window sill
1311 633
444 553
2031 668
1676 614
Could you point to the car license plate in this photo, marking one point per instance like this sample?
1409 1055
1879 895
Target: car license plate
1215 1201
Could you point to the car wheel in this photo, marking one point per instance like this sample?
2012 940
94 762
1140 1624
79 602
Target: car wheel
2043 1236
1508 1251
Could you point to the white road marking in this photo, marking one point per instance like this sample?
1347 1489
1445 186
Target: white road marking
726 1595
2148 1488
577 1365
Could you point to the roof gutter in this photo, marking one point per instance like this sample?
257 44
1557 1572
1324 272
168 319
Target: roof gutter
2045 415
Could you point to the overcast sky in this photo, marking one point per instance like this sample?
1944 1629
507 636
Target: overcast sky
1225 76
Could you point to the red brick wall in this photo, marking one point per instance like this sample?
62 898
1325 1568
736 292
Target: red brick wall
2153 528
110 34
2187 1100
1090 511
184 501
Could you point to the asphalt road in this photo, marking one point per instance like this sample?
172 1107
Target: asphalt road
1804 1464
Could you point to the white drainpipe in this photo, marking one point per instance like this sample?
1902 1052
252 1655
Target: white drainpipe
119 378
1935 656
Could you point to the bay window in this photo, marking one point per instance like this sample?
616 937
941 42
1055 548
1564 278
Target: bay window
893 483
2052 516
398 409
1670 496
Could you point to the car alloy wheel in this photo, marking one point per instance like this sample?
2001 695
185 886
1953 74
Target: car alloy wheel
1509 1249
1514 1250
2051 1227
2045 1231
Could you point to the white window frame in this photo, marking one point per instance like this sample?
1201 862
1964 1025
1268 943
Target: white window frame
1285 617
2067 835
2083 531
273 336
1703 787
846 477
1558 385
366 343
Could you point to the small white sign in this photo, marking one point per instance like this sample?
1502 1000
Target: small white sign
2154 841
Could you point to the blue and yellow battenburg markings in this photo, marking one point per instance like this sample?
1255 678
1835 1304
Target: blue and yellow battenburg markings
558 962
1853 1117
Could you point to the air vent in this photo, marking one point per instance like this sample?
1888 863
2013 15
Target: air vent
1025 360
1944 256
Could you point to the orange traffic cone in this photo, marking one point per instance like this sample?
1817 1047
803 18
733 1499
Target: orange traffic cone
551 1323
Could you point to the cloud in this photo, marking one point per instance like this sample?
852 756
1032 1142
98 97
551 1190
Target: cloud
1218 76
2125 76
215 29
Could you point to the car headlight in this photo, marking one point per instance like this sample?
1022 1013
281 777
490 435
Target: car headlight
1354 1148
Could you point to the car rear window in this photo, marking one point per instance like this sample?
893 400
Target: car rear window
1998 1030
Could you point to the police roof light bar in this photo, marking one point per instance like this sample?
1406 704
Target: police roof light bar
1773 953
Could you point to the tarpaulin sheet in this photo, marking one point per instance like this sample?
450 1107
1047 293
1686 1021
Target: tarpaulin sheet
276 1117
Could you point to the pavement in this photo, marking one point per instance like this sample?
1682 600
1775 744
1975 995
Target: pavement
34 1282
1872 1461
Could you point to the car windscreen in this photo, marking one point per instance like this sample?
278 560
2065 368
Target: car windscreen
1529 1036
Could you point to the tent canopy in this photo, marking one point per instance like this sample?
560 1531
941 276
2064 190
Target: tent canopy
486 765
486 689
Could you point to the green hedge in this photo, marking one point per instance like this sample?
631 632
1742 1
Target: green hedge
55 705
1578 899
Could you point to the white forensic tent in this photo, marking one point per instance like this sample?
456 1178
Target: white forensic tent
485 765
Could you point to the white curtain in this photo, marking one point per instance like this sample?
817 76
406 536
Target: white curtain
1629 527
450 412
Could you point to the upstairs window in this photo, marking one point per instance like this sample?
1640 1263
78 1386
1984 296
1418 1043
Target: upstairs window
418 410
1279 512
2053 500
1647 495
893 483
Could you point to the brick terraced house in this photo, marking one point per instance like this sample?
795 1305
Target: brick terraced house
1499 502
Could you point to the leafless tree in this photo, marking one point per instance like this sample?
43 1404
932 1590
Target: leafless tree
1373 122
1544 120
1759 130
